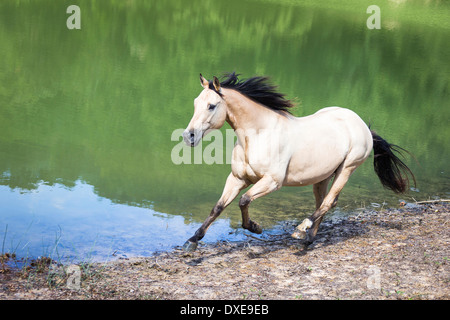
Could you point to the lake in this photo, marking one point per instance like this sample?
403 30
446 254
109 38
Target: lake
87 115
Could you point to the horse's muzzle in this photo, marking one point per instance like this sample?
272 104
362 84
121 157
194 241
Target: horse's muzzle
190 138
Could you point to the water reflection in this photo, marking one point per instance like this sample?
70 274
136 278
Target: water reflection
74 224
87 115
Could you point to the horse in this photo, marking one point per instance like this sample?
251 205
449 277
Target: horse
274 149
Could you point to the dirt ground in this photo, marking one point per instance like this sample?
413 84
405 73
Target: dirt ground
389 254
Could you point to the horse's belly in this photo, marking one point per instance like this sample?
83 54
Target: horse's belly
305 178
310 168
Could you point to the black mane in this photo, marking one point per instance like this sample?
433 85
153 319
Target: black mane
258 89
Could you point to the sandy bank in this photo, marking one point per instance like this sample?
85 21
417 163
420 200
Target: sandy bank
390 254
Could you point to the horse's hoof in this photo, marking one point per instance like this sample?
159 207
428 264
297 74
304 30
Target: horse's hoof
301 232
254 227
190 246
300 235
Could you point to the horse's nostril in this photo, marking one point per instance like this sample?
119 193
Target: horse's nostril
192 139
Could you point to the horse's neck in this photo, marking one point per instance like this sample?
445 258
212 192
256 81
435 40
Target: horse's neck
244 114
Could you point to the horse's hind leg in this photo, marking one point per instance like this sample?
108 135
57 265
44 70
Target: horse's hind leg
309 227
320 191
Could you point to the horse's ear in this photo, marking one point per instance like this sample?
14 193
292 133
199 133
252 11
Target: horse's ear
216 84
204 82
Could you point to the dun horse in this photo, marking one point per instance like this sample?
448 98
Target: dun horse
276 149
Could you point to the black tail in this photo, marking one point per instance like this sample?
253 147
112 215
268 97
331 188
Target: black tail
388 166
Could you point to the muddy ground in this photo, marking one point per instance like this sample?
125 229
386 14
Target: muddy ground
389 254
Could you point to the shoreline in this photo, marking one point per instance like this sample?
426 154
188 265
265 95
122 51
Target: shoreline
398 253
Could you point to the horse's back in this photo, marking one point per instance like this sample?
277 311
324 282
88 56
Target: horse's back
344 119
328 137
348 125
339 113
329 109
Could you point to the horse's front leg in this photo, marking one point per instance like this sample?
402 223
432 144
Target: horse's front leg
232 188
264 186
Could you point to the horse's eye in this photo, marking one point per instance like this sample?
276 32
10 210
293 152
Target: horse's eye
211 106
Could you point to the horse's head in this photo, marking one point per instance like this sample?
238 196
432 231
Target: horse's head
209 112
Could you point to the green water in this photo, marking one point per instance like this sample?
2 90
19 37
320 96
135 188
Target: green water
88 114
